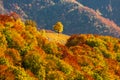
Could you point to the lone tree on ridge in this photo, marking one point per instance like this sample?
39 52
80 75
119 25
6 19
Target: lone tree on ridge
58 27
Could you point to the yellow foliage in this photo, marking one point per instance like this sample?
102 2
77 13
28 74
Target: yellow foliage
18 39
19 25
55 75
3 42
9 24
1 27
43 33
30 23
14 56
58 27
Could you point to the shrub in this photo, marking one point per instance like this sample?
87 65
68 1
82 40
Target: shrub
19 25
64 67
76 75
118 57
14 39
55 75
3 42
6 73
106 53
73 40
50 65
117 48
60 65
84 60
14 55
30 23
41 41
106 76
95 42
3 61
20 73
33 61
97 76
76 40
50 48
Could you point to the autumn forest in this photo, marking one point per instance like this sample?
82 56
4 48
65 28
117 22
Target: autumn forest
27 54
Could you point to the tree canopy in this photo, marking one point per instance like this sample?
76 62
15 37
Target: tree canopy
58 27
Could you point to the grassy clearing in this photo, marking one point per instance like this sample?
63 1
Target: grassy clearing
55 37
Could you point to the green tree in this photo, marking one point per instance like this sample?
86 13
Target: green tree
58 27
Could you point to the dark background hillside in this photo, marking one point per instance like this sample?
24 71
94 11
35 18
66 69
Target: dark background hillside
109 8
75 17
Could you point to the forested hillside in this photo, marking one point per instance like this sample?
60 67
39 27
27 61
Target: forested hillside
26 53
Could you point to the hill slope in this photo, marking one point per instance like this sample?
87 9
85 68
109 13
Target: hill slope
109 8
58 38
25 54
76 17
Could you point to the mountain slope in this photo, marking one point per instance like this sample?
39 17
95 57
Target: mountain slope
75 17
109 8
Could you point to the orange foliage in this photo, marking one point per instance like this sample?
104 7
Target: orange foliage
82 49
88 77
113 65
84 61
13 56
68 57
3 68
6 18
31 74
72 61
110 46
40 51
5 73
118 72
19 26
17 38
77 50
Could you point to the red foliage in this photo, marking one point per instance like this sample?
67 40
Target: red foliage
40 51
9 17
76 40
3 68
72 61
31 74
118 72
88 77
113 65
5 18
5 72
68 57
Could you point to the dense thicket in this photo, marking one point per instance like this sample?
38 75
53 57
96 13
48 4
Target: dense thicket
26 54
